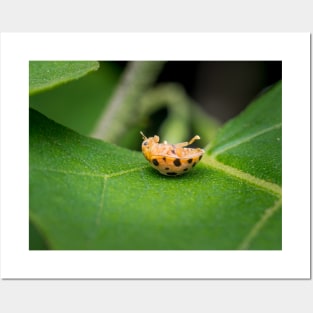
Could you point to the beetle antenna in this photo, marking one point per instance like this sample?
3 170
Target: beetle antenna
143 135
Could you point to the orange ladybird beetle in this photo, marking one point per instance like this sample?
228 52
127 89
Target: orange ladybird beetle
168 159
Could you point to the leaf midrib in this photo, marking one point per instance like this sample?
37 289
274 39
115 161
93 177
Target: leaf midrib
207 160
253 180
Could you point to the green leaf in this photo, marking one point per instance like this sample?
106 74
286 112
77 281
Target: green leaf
79 103
88 194
36 241
252 142
45 75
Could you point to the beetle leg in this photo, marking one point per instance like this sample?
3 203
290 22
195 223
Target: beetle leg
184 144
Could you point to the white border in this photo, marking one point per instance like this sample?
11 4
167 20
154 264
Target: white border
292 262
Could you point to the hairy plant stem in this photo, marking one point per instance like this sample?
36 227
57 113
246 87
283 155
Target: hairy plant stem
122 111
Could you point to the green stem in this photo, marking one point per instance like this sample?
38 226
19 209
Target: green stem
183 113
173 97
122 111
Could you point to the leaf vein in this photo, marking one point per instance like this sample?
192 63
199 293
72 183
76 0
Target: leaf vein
255 230
101 205
240 141
89 174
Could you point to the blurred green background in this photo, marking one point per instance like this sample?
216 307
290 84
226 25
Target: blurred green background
221 88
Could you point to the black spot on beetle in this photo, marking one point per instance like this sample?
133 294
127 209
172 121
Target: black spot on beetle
194 164
200 157
190 160
167 168
171 173
177 162
186 169
164 159
155 162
